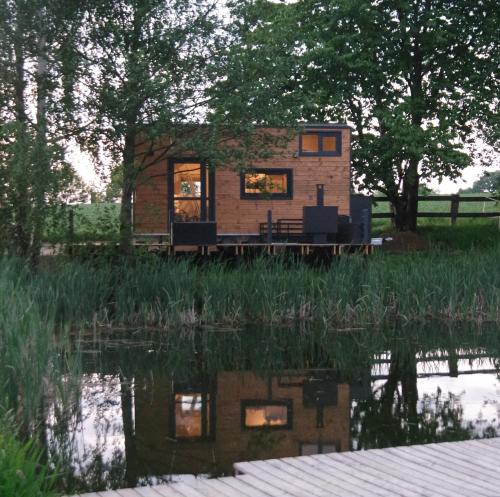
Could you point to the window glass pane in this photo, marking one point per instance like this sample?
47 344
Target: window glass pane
265 416
266 183
187 210
188 415
329 143
310 143
187 180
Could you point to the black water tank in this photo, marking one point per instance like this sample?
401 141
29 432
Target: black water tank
361 214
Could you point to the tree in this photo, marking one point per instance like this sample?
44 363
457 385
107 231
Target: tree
416 79
35 46
147 70
489 182
114 188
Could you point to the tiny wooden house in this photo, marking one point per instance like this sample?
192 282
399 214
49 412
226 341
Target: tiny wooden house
182 189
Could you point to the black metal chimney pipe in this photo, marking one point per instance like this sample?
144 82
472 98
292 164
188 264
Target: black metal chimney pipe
320 195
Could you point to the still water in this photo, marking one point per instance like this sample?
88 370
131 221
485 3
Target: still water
161 408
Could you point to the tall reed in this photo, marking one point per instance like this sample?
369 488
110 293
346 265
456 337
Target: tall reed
34 362
172 294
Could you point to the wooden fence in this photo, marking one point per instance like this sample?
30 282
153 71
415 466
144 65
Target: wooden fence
453 214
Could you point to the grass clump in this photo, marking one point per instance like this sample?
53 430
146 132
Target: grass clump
22 473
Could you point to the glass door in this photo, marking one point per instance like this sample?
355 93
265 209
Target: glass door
190 188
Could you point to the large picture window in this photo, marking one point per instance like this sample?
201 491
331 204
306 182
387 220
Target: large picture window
266 414
321 143
266 184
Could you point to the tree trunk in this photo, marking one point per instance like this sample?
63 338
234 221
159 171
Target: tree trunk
405 206
129 177
128 432
41 161
19 179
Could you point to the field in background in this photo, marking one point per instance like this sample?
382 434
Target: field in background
444 206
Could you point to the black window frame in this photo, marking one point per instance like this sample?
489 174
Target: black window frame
320 153
288 403
267 196
207 418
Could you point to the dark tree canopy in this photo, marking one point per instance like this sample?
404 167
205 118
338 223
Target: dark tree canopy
417 80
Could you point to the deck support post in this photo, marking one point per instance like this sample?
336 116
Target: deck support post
269 234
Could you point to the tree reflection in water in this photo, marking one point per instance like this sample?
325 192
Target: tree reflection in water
395 415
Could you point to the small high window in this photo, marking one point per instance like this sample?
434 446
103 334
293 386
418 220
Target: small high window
266 414
266 184
321 143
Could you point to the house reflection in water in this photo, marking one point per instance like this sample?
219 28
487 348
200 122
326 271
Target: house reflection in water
206 427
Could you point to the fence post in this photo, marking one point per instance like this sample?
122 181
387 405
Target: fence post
455 202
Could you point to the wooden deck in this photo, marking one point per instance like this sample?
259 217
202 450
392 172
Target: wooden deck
275 248
452 469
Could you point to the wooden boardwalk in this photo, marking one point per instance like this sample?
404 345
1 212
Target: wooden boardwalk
452 469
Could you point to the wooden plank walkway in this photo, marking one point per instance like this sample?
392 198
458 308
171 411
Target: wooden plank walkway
451 469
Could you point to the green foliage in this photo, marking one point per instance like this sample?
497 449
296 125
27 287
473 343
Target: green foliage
416 80
36 38
91 222
489 182
147 71
114 188
425 190
21 472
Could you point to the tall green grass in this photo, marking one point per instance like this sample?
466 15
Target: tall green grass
22 473
353 291
34 361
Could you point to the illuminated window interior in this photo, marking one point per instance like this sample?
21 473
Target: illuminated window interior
321 143
187 180
191 415
329 143
266 415
187 191
310 143
266 183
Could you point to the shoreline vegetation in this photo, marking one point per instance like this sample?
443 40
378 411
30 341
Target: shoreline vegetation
167 294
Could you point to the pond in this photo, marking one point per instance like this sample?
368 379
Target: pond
157 408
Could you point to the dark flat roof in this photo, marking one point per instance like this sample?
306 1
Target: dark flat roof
324 125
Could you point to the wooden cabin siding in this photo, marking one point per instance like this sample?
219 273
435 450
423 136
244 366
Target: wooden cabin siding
150 202
236 215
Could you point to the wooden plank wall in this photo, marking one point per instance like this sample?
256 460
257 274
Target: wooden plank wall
236 215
